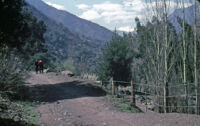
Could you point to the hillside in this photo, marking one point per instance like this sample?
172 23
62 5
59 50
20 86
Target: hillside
189 16
72 22
64 44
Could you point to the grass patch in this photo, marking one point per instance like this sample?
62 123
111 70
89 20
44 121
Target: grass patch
123 106
29 115
127 108
18 113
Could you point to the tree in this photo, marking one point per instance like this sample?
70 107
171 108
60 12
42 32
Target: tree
195 59
11 21
168 58
32 37
117 59
184 49
21 31
159 45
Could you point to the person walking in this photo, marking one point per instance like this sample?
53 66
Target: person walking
40 64
36 67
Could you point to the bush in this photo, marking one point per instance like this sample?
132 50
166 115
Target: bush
69 65
18 113
92 77
11 75
66 65
117 60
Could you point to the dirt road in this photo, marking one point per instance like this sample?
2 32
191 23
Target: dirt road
74 102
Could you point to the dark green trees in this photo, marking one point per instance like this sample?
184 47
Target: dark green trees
34 46
22 32
11 21
117 59
21 42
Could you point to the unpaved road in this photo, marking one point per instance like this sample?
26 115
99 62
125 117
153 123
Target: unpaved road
74 102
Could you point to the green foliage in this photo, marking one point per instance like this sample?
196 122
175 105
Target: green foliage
152 58
123 107
21 31
12 88
127 108
32 35
21 44
18 113
151 40
88 76
117 59
69 65
34 47
66 65
29 115
11 22
11 75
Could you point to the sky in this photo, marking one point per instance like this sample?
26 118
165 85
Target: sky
112 14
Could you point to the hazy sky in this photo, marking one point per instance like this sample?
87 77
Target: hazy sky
119 14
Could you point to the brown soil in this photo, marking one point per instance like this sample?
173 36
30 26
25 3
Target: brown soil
67 101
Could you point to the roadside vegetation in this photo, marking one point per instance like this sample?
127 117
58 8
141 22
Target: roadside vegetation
159 55
122 106
21 44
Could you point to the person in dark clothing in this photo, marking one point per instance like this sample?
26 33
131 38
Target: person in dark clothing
40 64
36 67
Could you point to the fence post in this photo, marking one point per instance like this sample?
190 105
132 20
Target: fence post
113 88
198 99
198 103
132 93
166 93
145 91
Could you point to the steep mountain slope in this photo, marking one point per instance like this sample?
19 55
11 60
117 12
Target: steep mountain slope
189 16
63 44
72 22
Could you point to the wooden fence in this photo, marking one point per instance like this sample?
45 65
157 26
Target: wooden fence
154 96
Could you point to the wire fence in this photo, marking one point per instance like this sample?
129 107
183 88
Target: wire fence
179 98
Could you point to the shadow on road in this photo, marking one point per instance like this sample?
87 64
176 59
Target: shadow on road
61 91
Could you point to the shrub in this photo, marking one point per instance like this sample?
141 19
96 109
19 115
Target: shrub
117 60
11 75
66 65
69 65
92 77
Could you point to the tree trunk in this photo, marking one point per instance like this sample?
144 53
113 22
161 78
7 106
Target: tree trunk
195 59
184 52
166 59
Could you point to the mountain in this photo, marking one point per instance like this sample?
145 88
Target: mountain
65 45
189 17
72 22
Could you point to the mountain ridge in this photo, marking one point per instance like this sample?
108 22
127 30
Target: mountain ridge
189 16
72 22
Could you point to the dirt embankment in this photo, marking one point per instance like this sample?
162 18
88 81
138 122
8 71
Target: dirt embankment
69 101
